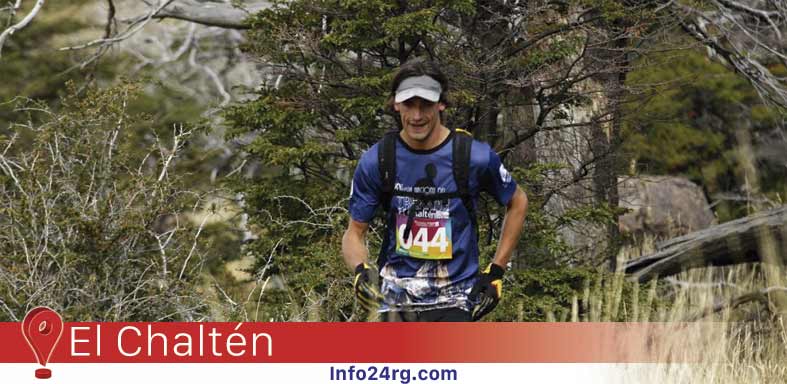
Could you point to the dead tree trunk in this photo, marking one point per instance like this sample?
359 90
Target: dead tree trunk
744 240
763 296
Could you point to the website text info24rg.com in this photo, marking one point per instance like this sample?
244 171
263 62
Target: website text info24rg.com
385 373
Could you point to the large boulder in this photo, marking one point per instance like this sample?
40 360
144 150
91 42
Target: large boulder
663 206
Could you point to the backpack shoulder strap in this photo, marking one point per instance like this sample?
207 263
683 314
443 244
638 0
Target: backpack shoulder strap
463 143
386 163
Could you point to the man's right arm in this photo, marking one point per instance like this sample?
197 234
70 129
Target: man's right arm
365 193
354 248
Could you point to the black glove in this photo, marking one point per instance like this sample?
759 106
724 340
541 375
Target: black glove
366 287
487 291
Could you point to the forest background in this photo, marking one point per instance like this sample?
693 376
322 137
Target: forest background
190 160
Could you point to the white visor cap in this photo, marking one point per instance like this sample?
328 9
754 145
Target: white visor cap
424 87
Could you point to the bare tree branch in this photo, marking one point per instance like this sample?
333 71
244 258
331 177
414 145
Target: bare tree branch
212 14
741 43
763 15
136 26
762 296
21 24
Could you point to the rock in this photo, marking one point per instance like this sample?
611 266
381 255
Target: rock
663 206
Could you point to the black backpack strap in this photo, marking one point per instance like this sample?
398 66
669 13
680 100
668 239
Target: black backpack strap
462 145
386 164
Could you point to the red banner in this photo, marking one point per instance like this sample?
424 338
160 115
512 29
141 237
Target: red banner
347 342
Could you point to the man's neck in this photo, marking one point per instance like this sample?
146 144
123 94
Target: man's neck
439 135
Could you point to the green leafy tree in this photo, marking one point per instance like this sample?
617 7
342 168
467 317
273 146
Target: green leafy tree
515 73
691 124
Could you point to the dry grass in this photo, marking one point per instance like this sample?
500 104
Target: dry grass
743 343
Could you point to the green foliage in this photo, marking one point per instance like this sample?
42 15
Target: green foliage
309 134
529 294
33 67
689 123
554 52
574 294
330 63
542 244
92 215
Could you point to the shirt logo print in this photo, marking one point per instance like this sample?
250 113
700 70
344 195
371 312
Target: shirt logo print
504 175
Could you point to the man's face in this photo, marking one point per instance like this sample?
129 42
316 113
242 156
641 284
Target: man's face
419 117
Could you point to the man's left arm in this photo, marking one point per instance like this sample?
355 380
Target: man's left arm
488 289
514 219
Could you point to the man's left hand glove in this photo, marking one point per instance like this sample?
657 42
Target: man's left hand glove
366 287
487 291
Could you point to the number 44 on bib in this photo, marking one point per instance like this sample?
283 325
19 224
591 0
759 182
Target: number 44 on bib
428 238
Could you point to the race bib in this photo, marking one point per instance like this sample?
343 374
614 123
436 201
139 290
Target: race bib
429 237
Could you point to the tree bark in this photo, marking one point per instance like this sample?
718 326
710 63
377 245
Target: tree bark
762 296
608 54
222 15
745 240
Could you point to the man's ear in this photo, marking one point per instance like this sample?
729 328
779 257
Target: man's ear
441 107
396 107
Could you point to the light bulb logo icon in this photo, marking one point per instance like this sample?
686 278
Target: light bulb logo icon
42 328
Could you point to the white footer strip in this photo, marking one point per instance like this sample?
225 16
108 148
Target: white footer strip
345 373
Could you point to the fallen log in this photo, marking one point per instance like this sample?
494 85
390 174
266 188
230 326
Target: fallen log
762 296
761 237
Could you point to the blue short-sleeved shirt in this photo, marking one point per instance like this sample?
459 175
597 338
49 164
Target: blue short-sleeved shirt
435 265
